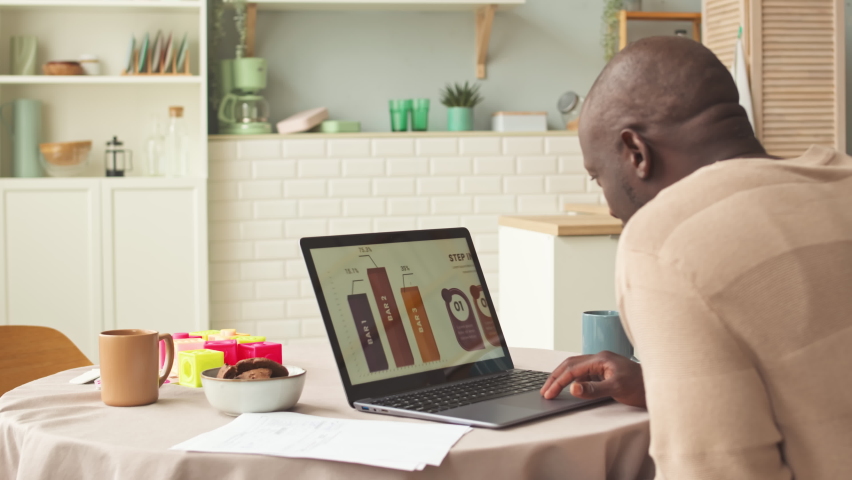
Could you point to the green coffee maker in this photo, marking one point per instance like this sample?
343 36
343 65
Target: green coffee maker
243 111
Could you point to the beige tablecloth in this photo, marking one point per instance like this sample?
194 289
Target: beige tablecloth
50 429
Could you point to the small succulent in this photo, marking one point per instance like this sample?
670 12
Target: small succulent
459 95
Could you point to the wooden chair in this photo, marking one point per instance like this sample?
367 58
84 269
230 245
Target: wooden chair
30 353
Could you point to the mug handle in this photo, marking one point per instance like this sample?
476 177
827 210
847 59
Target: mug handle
226 109
170 356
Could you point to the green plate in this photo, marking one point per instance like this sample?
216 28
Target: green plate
143 54
129 62
182 54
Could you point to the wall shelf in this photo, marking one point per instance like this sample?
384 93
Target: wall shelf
98 80
484 11
415 5
108 5
625 15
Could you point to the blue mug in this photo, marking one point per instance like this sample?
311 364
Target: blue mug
602 330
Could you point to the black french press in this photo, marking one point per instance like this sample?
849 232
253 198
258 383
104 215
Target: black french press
116 159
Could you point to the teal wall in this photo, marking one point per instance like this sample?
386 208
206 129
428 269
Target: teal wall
354 61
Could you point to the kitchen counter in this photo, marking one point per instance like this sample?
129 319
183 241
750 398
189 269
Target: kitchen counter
565 225
432 134
553 268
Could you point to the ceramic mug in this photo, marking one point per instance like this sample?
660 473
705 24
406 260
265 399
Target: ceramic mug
130 362
602 330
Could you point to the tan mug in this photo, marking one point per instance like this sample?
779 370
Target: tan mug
129 366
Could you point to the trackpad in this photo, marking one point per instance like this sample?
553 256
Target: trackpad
516 407
493 411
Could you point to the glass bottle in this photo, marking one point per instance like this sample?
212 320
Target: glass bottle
176 144
155 152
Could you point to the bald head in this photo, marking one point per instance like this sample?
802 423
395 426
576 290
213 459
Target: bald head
661 109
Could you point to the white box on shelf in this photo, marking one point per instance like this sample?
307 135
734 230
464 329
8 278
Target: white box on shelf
519 122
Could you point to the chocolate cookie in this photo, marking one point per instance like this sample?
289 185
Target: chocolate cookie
227 371
247 364
256 374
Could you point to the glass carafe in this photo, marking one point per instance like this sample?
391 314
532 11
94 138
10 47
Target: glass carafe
244 109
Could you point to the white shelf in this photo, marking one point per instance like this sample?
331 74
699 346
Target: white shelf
97 80
416 5
110 5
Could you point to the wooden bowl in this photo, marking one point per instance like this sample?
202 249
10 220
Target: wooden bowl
63 68
66 154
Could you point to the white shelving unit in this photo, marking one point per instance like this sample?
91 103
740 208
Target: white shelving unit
97 80
98 107
76 5
91 253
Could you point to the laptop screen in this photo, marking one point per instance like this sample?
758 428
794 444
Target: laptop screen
404 308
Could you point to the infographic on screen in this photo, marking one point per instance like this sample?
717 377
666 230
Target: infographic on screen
403 308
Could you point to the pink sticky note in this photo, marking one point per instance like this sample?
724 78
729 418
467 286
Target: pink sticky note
180 335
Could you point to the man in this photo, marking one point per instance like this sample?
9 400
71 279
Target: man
734 275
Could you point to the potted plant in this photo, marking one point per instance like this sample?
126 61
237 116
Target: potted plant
460 100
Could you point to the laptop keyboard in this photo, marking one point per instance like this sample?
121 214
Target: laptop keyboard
455 395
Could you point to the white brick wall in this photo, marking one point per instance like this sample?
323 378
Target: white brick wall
266 194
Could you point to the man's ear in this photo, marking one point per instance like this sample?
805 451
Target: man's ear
636 152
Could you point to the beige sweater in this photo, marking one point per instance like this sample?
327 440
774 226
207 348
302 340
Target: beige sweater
735 285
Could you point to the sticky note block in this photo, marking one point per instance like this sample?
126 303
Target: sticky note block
204 333
228 332
180 335
228 347
183 345
250 339
193 362
268 350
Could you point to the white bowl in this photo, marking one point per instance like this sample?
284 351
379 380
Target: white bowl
236 396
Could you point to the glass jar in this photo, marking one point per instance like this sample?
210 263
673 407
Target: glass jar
570 104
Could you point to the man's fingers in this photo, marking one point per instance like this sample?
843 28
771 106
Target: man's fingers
567 364
587 366
591 390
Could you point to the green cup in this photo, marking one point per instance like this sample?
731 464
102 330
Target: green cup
420 115
399 114
459 119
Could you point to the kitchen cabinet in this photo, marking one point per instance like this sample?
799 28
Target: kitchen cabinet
795 53
87 255
552 269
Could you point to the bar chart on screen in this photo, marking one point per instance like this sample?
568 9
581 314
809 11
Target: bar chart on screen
402 309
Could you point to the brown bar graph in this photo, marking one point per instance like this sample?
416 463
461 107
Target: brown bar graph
484 314
368 333
461 316
420 324
391 319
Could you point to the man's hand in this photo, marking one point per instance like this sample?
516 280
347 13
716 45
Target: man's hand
604 374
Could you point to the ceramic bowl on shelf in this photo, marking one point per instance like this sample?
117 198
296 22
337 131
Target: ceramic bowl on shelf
65 159
236 396
63 68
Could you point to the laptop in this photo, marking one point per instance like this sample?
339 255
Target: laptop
415 333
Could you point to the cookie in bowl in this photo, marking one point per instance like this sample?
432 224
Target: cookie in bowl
253 385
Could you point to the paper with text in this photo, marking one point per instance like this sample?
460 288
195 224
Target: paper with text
397 445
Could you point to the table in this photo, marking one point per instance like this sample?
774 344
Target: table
50 429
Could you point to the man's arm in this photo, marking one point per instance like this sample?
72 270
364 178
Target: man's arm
710 413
